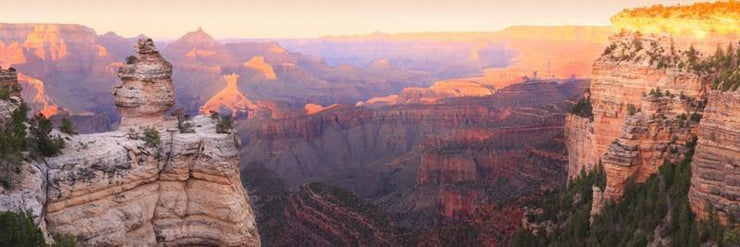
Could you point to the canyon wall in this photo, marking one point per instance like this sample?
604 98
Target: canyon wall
661 85
715 180
633 131
581 144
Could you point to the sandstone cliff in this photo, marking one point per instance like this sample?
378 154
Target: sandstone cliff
649 93
635 128
715 174
113 189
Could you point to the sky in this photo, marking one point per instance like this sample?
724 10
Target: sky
227 19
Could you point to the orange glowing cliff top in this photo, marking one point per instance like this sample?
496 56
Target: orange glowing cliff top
699 19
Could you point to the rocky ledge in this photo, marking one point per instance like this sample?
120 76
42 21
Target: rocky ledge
113 189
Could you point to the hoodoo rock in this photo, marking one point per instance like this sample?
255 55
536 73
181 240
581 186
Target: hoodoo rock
147 91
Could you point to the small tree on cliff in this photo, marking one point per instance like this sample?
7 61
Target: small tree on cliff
131 60
18 229
151 137
224 124
183 121
67 127
41 141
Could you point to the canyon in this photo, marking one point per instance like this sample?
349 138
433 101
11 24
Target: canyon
426 165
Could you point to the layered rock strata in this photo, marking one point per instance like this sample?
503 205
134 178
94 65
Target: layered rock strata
633 131
715 180
581 144
113 189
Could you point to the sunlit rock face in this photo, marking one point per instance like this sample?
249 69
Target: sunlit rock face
264 69
230 100
635 130
701 20
635 146
63 62
715 180
34 93
147 91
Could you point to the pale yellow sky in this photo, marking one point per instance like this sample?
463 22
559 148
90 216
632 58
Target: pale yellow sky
223 19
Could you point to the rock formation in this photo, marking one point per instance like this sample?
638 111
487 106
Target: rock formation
633 132
114 189
10 86
147 184
9 82
581 144
147 91
715 180
648 95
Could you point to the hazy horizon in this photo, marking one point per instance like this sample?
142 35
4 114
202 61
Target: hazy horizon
286 19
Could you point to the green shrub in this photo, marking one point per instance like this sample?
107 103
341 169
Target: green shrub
631 110
696 117
131 59
214 115
583 108
67 127
18 229
224 124
12 142
183 121
151 137
41 141
4 94
65 240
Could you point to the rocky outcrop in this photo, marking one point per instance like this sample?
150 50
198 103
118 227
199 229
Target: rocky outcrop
715 180
9 82
27 192
441 168
701 20
147 91
581 144
633 131
146 185
9 85
113 189
457 204
7 107
658 133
